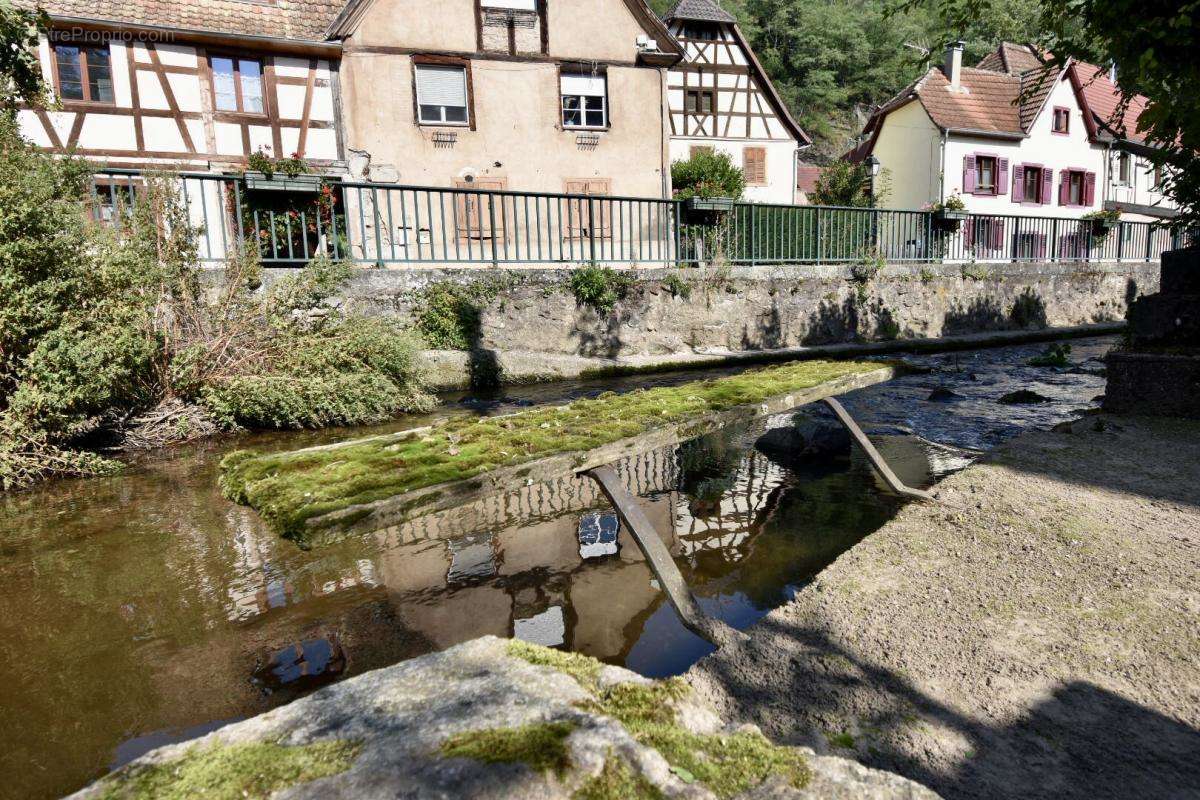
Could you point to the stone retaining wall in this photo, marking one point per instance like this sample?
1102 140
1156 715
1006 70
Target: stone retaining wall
532 327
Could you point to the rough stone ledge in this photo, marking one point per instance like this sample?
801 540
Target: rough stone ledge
401 716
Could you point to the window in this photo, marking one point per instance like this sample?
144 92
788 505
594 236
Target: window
700 32
1076 187
1031 184
584 100
237 84
1124 169
1158 177
84 73
754 166
1062 120
441 94
985 175
699 101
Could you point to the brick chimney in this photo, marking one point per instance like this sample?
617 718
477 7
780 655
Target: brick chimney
953 65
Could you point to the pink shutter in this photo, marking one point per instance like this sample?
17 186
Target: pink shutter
968 174
1018 184
997 231
1047 185
1089 188
1064 187
1001 177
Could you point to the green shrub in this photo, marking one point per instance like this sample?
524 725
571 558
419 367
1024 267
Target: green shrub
707 174
677 286
843 184
599 287
448 315
1056 355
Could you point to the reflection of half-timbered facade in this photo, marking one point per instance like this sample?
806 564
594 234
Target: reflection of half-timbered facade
720 98
134 90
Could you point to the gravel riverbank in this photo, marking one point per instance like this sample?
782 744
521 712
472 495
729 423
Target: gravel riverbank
1034 635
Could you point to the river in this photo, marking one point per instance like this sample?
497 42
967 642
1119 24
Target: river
144 609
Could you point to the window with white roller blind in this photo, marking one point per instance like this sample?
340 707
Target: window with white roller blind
442 94
515 5
584 100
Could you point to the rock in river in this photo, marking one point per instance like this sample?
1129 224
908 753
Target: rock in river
497 719
1023 397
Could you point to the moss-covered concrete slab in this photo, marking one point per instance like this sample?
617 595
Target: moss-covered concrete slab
312 494
501 720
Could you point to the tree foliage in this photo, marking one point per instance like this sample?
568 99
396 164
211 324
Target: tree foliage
20 70
843 184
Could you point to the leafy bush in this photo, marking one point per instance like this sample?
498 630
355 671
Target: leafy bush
599 287
1056 355
448 315
707 174
677 286
843 184
100 326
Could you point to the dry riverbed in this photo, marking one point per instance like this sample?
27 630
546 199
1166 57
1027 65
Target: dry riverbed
1035 635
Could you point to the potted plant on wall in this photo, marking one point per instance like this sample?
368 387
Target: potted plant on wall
1103 221
948 213
292 174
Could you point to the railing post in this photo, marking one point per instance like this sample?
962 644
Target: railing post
818 235
492 227
753 241
1149 241
378 223
928 235
1120 240
677 220
591 229
237 214
1054 240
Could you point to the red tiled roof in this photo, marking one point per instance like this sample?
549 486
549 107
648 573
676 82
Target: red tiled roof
984 101
1102 98
285 19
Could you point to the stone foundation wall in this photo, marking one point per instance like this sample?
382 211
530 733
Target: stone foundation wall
534 327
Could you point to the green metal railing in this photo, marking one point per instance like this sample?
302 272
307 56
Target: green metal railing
290 221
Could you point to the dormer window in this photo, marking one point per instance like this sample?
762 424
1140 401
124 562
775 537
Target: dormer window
700 32
1062 120
584 100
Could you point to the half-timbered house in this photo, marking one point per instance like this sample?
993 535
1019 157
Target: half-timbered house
196 84
721 98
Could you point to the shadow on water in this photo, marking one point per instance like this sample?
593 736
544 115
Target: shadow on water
144 609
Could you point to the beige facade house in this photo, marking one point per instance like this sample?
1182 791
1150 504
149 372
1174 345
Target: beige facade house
721 99
528 95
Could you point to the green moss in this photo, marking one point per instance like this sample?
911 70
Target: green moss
541 746
843 740
288 489
232 772
582 668
977 272
726 764
617 781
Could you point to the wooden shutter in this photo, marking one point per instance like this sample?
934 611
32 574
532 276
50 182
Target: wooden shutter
754 165
1001 176
1089 188
1047 185
474 216
575 213
1064 187
1018 186
997 234
969 174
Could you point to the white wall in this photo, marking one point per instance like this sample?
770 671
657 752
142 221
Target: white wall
909 150
781 162
1139 190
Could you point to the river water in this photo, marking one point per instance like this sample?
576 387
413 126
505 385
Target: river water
144 609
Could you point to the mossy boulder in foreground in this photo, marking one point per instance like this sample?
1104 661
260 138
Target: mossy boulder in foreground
501 719
425 470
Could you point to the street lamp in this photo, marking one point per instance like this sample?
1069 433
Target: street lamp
873 168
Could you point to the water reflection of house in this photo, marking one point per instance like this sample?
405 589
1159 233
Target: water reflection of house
726 522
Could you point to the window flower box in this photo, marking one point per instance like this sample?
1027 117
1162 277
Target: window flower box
709 204
949 218
278 182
